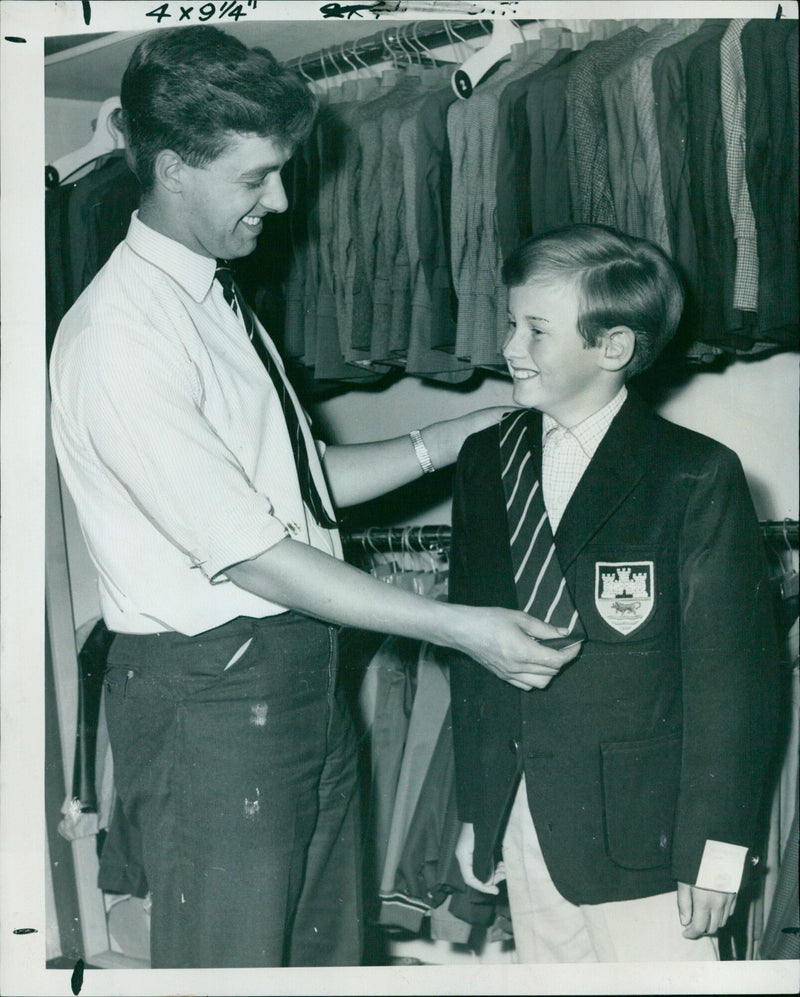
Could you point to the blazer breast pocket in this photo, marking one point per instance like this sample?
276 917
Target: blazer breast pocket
641 780
623 593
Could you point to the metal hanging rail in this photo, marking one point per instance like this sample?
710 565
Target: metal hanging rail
398 37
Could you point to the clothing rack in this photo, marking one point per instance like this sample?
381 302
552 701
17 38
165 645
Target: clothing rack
418 37
780 529
398 539
394 539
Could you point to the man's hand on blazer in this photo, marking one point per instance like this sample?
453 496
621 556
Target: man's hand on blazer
507 642
703 912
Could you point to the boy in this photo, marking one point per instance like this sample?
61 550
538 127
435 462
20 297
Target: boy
636 773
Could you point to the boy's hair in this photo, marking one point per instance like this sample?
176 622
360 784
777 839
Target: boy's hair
621 280
186 89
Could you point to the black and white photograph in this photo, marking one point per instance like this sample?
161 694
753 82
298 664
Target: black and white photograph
399 443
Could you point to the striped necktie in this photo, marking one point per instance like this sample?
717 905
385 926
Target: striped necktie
308 487
541 587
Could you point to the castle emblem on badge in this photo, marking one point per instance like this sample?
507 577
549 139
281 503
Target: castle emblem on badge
624 593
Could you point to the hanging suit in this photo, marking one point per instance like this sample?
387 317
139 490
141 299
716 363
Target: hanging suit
772 176
653 740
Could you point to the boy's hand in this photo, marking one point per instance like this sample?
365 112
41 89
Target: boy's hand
464 851
703 912
506 642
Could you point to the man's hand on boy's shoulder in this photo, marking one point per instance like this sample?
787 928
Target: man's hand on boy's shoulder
703 912
445 439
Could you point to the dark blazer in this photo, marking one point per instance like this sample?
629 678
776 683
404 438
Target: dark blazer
652 740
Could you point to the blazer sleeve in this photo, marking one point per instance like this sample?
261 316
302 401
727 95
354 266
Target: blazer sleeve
730 665
464 682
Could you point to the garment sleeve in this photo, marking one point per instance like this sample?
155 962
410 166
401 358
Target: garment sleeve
730 666
148 428
464 680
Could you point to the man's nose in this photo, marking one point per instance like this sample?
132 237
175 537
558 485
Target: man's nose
274 196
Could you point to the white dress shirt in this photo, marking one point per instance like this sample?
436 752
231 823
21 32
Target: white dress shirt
566 453
172 441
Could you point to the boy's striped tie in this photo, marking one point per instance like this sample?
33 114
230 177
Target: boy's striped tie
308 487
541 587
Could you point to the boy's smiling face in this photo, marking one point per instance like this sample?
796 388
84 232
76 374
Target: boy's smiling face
553 368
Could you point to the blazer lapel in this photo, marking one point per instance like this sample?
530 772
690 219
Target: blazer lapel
616 468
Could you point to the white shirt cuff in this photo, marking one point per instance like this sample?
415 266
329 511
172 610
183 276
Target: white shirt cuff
721 867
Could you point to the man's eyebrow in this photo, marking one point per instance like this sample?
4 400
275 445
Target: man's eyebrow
258 171
537 318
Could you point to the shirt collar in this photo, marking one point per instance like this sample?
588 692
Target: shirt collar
195 273
591 431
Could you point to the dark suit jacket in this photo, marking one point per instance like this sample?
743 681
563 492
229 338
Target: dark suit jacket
651 742
772 172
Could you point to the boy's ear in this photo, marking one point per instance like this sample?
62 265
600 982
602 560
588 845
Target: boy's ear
168 170
616 348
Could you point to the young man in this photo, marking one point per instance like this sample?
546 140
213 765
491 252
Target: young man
625 792
204 502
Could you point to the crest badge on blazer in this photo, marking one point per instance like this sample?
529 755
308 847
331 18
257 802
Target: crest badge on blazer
624 593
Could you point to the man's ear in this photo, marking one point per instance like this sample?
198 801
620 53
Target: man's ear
169 171
616 347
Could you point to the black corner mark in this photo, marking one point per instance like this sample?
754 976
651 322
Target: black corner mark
87 12
76 981
16 38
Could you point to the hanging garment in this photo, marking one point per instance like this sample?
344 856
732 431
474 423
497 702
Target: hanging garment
428 880
58 271
586 128
633 153
395 87
100 209
717 320
420 358
772 178
433 195
389 275
477 258
431 702
351 290
733 93
546 112
385 701
301 200
514 157
672 124
402 268
84 222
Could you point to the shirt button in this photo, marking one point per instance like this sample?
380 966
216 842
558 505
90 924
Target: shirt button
663 841
513 745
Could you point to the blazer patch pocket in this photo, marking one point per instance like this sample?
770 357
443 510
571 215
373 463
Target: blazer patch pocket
641 780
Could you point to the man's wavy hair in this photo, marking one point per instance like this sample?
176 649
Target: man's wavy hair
187 89
620 280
